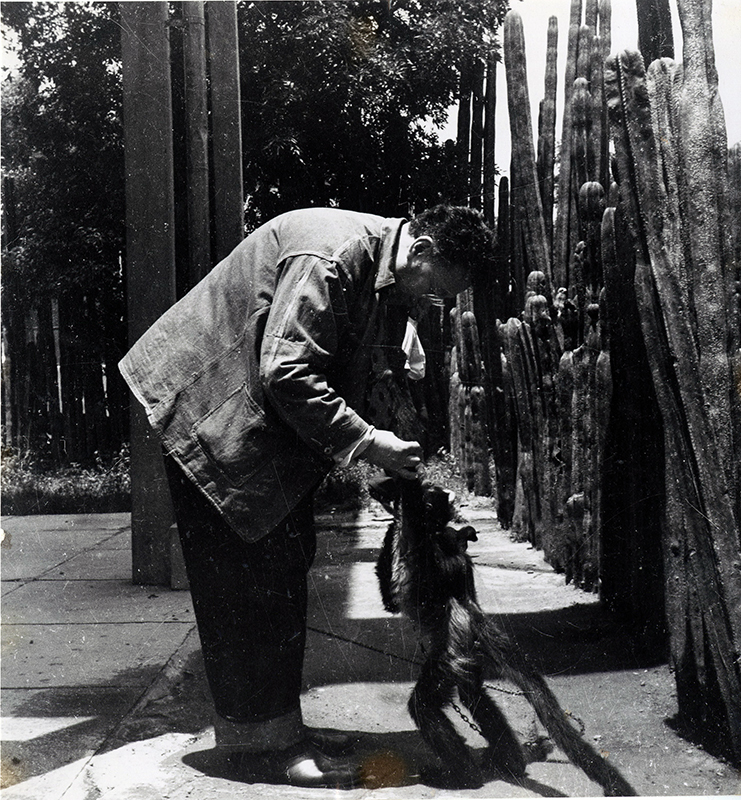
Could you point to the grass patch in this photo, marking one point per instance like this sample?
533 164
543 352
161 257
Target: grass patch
29 487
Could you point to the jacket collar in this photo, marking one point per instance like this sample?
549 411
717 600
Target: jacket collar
390 234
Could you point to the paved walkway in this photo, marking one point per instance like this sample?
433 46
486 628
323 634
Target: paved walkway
103 696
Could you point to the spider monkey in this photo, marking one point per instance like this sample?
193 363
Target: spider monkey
425 573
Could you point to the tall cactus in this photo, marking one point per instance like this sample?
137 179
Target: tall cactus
526 502
632 578
468 400
490 107
547 130
504 306
688 347
584 53
562 238
523 156
605 27
477 133
600 138
582 150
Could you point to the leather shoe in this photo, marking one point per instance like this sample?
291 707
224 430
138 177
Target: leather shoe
302 765
330 741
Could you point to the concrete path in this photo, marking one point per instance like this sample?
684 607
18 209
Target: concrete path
103 695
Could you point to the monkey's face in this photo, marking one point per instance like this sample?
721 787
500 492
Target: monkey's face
454 541
439 512
439 508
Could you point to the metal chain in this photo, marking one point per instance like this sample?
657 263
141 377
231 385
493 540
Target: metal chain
578 721
471 724
512 692
365 646
456 707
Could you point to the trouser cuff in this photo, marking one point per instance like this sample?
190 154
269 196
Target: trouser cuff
256 737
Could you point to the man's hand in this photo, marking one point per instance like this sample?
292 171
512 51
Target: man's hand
393 454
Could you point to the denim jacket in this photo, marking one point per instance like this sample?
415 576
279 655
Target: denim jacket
252 380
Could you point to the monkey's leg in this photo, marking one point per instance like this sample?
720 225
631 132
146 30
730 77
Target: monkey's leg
505 754
432 693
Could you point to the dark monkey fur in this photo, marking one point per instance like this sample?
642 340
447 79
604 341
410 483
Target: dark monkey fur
425 573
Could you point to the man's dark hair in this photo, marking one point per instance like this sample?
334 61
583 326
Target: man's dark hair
460 233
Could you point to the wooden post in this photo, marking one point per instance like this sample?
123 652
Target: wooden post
150 253
226 127
196 140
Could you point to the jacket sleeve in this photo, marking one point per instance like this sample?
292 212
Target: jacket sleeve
307 321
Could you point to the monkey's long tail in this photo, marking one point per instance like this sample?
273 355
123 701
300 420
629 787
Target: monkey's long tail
510 665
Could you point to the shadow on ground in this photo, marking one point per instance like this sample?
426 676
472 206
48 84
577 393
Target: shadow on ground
387 760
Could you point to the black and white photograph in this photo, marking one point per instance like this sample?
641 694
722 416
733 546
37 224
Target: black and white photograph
371 399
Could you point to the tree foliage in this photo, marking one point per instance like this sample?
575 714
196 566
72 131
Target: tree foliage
340 100
64 322
62 148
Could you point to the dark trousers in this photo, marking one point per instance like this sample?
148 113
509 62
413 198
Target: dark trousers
249 601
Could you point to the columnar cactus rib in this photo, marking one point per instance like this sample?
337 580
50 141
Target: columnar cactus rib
579 287
734 205
623 153
480 479
631 532
507 469
547 352
734 316
578 504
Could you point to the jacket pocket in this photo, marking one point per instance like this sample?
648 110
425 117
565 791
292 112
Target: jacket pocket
236 437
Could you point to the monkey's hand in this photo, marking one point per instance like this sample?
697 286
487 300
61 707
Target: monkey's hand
395 455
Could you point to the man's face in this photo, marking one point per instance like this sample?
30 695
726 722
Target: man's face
427 276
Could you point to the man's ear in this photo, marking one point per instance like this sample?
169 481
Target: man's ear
422 245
